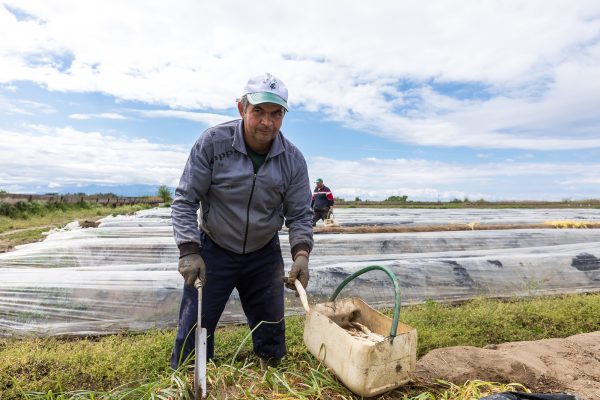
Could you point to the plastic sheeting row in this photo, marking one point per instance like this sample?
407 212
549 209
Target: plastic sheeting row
123 274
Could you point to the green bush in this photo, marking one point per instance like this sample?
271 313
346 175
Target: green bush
27 209
8 210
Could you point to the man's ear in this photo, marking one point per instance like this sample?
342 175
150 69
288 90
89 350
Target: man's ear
240 108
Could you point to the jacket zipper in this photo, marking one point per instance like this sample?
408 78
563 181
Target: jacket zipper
248 214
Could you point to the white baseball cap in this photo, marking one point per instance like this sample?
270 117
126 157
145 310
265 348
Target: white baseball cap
266 89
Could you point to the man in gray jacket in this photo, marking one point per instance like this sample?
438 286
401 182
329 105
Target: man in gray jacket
248 180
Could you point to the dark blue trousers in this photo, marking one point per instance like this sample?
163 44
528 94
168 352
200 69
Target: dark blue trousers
258 278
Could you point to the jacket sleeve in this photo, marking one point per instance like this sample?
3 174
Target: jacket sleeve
193 186
296 208
330 197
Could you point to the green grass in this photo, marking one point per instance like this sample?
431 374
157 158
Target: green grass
11 240
29 227
486 321
136 366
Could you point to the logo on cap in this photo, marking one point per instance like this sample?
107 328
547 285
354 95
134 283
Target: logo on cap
266 89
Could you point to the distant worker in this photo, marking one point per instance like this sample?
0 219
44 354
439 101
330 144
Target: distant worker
248 179
322 202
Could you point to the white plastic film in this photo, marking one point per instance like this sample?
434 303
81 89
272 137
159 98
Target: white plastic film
123 274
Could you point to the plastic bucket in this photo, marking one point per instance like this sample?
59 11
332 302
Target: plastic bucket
368 351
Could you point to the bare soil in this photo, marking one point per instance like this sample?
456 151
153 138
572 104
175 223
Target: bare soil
570 365
436 228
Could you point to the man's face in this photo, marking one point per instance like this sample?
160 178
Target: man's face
319 185
261 124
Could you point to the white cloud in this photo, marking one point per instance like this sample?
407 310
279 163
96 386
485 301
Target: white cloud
65 156
205 118
39 128
589 180
97 116
40 155
10 88
378 178
533 67
24 107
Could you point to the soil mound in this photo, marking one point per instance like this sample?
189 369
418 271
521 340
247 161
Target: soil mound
89 224
570 365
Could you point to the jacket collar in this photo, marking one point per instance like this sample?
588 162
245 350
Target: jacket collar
277 147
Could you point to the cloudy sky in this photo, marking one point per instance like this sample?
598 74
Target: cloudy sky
430 99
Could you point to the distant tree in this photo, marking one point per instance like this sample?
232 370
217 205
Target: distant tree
357 198
164 193
105 195
396 199
3 191
69 194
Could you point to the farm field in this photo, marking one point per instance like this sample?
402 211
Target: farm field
122 277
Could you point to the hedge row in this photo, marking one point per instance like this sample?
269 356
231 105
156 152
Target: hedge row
26 209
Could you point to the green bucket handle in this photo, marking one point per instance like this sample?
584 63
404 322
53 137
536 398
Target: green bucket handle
396 291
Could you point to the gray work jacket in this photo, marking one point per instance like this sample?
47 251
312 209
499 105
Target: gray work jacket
242 211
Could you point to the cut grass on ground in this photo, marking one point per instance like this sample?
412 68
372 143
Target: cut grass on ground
136 366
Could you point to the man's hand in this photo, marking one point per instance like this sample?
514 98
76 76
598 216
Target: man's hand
191 267
299 271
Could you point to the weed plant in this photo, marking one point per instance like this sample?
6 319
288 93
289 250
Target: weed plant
135 366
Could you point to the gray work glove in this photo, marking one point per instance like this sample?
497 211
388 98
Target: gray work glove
299 271
191 267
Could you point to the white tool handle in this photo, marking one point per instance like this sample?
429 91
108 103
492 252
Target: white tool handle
200 361
302 294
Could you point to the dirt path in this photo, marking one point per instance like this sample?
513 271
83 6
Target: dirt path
569 365
13 231
448 227
6 244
